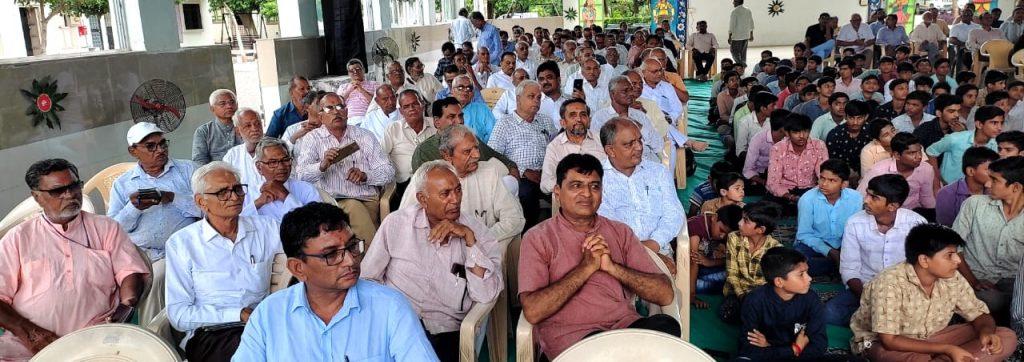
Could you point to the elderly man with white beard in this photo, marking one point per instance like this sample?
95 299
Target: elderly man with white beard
577 138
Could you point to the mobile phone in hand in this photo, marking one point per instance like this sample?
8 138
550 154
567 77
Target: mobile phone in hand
122 314
348 150
577 84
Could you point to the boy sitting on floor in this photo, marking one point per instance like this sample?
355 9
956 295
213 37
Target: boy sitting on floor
707 250
782 319
731 190
905 311
744 250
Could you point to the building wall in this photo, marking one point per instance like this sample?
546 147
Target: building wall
97 115
785 29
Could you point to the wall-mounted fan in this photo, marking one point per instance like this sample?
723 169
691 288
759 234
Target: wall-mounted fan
160 102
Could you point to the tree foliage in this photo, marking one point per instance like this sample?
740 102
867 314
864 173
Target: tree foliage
238 6
70 7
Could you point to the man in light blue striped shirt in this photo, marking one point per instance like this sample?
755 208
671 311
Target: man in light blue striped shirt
822 216
331 315
638 192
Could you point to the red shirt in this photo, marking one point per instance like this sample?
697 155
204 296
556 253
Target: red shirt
551 250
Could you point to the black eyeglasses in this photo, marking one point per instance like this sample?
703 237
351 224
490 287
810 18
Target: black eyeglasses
152 146
225 193
355 248
287 161
73 188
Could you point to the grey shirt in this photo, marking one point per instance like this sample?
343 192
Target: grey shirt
212 140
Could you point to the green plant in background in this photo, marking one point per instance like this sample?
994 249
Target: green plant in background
269 10
48 9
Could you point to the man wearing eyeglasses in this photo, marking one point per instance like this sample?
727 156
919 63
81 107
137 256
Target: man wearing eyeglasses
213 139
152 201
358 92
63 269
444 261
331 315
348 163
218 269
401 138
280 192
478 115
248 125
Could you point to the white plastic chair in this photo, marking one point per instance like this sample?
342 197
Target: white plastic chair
29 208
633 345
109 342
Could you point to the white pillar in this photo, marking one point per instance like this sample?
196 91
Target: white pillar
12 38
384 8
151 27
297 18
427 11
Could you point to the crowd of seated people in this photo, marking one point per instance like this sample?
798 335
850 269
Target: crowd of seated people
902 177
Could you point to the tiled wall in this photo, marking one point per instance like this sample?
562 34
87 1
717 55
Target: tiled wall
97 114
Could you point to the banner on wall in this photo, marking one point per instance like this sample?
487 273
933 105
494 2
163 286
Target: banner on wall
904 10
592 12
675 12
984 6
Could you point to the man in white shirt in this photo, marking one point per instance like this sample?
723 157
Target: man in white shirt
593 91
1012 29
621 100
741 30
979 36
485 194
929 37
873 240
858 36
577 138
503 78
507 103
280 192
704 46
218 269
249 126
958 36
377 120
550 79
401 139
462 29
658 90
523 60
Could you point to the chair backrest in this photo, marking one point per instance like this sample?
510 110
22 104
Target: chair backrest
280 276
326 197
492 95
672 309
998 52
109 342
104 181
1017 59
27 209
632 345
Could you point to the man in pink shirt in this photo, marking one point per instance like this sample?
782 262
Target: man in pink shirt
63 269
755 166
794 162
358 92
579 271
444 261
907 154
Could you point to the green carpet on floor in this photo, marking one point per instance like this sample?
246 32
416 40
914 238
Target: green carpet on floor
706 330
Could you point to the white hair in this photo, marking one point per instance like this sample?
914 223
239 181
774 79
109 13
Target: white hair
462 76
616 80
421 173
268 142
448 137
236 119
522 86
199 176
217 93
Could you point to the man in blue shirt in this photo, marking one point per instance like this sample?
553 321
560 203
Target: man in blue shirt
488 37
822 216
292 112
150 217
331 315
988 123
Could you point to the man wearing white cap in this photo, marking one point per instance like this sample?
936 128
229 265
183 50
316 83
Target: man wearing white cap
152 201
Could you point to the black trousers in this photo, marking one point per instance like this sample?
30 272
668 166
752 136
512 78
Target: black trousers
446 345
396 199
703 62
529 197
213 346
